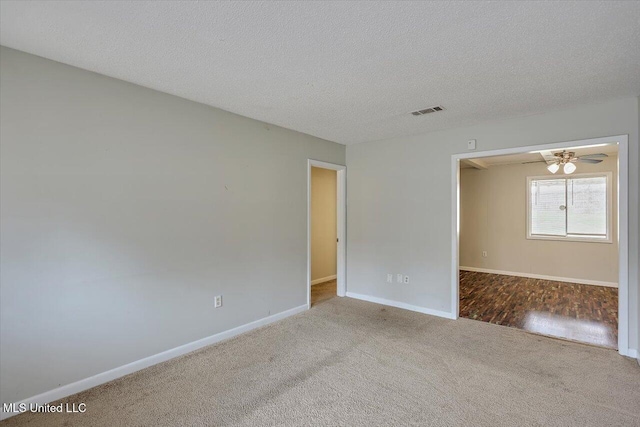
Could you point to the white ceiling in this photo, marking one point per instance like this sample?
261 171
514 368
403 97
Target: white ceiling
610 150
348 71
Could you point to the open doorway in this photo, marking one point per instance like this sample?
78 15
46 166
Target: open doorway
326 231
324 234
539 244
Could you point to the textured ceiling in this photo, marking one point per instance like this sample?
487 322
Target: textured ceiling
347 71
510 159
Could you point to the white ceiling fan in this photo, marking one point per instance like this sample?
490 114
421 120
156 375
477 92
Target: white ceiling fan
568 158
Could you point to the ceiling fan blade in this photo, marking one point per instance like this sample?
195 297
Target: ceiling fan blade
535 161
590 156
583 160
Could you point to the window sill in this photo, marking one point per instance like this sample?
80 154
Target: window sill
572 239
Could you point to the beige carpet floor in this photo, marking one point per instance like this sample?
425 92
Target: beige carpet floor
352 363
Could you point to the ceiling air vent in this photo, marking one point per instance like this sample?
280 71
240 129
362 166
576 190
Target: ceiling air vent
428 110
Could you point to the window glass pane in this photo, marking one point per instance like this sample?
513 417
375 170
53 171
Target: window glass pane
587 206
547 207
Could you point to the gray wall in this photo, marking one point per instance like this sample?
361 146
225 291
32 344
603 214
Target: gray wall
399 199
125 210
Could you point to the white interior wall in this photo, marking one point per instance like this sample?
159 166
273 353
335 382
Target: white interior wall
400 208
124 211
493 218
323 223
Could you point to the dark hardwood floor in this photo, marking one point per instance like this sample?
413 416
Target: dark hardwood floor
583 313
323 291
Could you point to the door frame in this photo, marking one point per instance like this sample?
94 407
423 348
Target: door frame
622 141
341 212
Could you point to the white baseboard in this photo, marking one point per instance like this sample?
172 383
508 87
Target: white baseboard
323 279
541 276
87 383
402 305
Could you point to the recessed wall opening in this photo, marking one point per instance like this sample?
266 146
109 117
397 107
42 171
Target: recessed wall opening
538 242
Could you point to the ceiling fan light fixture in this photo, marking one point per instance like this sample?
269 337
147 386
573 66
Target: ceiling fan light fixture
553 168
569 168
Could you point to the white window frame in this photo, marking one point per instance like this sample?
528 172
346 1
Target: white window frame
569 237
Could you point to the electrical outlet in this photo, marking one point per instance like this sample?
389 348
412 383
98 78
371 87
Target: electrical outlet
484 254
389 278
217 301
399 278
406 279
